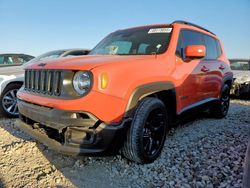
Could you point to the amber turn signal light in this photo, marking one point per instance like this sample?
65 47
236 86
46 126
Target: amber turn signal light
104 80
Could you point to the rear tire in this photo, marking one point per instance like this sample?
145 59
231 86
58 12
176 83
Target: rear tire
8 101
220 108
147 133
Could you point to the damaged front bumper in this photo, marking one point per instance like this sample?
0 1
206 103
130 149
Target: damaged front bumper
74 133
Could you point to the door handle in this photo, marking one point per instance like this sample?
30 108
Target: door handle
204 69
222 67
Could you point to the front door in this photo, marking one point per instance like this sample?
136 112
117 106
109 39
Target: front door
190 73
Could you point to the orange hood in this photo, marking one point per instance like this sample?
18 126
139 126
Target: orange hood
87 62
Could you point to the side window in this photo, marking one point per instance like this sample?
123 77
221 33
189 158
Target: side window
188 37
26 58
1 60
211 47
14 60
8 60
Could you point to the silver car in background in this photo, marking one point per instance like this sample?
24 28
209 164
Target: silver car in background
241 72
12 78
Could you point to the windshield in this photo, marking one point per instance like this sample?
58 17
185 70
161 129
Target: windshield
138 41
240 65
48 55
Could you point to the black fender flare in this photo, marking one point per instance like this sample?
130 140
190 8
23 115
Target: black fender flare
146 90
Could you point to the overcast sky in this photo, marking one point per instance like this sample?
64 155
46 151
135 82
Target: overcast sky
38 26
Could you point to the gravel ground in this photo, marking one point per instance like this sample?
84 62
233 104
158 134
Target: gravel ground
203 152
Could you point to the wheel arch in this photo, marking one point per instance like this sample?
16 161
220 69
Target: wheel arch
7 87
10 83
165 91
228 81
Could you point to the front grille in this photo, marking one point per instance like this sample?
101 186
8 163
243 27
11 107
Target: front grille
43 81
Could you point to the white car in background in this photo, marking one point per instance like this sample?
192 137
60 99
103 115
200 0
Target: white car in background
241 72
12 76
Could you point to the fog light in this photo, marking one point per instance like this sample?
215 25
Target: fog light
76 136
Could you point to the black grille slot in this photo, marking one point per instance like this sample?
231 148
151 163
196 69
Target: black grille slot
33 79
29 76
57 83
26 79
43 81
37 82
50 82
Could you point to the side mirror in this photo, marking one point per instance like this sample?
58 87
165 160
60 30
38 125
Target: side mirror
195 51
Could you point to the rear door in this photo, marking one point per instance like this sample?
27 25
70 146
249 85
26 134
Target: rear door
215 67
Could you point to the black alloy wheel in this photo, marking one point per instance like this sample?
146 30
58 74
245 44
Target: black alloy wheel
147 133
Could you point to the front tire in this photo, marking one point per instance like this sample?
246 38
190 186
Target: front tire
146 135
220 108
8 101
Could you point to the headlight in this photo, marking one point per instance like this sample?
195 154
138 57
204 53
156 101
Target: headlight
82 82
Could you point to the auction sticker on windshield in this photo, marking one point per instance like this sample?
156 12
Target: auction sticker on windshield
160 30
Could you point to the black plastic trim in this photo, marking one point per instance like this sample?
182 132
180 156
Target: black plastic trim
191 24
53 128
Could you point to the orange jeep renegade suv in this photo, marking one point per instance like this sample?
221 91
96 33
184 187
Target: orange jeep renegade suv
127 92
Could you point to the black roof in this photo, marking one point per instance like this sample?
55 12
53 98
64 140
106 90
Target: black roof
191 24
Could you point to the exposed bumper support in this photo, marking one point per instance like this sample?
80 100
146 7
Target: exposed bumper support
68 134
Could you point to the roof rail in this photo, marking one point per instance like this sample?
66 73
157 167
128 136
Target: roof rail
188 23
